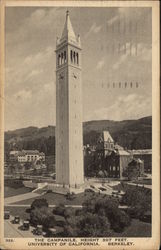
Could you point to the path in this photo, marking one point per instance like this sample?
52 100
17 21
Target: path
28 205
140 185
20 197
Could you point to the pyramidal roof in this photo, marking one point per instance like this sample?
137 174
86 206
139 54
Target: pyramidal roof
68 31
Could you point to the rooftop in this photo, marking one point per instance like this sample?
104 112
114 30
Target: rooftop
68 33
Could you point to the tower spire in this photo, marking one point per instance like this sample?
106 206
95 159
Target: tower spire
68 31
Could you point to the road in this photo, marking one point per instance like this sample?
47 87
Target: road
12 230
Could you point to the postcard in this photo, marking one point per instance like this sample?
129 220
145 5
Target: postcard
80 125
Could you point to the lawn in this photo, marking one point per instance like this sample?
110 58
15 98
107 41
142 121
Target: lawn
10 191
21 211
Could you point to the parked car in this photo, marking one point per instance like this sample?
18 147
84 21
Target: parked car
102 189
26 225
39 230
16 219
88 190
6 215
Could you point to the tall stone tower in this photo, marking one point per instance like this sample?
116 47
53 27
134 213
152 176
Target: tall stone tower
69 137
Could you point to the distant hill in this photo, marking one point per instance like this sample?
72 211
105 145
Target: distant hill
132 134
29 133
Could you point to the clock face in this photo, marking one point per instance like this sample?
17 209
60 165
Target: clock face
75 75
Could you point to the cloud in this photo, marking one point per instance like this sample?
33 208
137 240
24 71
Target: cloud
132 106
112 20
94 29
100 64
120 61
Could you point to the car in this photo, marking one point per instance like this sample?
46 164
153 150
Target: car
102 189
89 190
16 219
39 230
51 232
26 225
6 215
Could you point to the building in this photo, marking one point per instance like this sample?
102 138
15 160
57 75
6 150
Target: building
105 143
144 155
69 136
116 163
135 168
27 156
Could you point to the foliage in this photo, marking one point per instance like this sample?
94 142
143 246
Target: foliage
39 203
97 217
59 210
93 225
139 200
42 216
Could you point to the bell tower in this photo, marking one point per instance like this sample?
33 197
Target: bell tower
69 136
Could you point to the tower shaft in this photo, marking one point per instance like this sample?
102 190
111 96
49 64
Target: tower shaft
69 136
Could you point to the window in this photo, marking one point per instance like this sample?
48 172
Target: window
74 57
77 58
71 56
59 60
65 57
62 58
114 168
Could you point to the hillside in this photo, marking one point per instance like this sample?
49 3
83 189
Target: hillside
132 134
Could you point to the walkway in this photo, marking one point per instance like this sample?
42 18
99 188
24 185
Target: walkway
28 205
20 197
140 185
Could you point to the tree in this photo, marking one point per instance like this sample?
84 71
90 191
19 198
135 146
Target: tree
93 225
39 203
42 216
138 199
59 210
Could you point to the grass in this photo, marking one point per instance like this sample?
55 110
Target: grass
10 191
21 211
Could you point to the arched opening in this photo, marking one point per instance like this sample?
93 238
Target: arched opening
74 57
62 58
59 60
71 56
65 57
77 58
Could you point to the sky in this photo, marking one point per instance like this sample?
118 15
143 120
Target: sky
116 63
